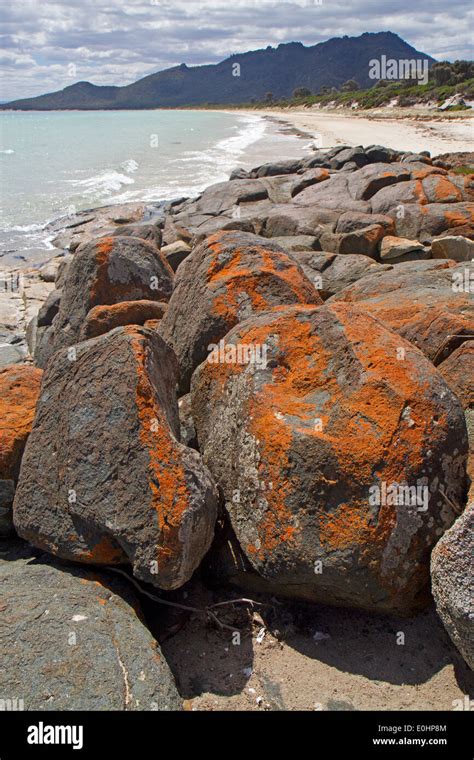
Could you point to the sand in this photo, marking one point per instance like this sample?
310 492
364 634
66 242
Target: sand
295 656
410 131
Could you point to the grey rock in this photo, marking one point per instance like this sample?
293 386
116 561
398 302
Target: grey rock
143 230
70 640
452 569
453 247
175 253
104 478
49 309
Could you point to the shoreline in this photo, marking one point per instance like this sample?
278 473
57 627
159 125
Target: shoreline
410 131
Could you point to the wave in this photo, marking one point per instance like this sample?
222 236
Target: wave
7 151
130 166
103 184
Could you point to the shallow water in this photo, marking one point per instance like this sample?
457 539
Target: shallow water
57 163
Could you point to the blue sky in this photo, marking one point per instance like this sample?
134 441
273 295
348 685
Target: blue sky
48 44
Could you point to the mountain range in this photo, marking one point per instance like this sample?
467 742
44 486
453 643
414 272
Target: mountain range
240 78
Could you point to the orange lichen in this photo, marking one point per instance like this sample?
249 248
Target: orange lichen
346 527
444 191
250 272
427 171
102 291
359 422
19 391
105 552
457 217
419 193
104 317
167 477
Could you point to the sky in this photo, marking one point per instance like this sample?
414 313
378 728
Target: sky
49 44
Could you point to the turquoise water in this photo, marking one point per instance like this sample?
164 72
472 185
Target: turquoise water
57 162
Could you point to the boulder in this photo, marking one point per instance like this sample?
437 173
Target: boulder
458 371
74 640
175 253
364 183
104 479
296 242
144 231
333 194
451 582
338 458
186 422
101 319
379 154
354 155
49 309
225 280
351 221
49 271
331 272
232 204
308 178
239 174
428 303
290 166
105 272
453 247
364 241
393 248
290 220
19 391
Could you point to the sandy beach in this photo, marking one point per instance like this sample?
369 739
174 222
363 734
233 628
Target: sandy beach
438 134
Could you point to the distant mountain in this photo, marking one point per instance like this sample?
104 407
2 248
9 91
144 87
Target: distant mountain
277 70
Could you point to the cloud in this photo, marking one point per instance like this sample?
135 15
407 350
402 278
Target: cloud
119 41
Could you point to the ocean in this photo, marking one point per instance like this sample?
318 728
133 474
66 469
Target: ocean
57 163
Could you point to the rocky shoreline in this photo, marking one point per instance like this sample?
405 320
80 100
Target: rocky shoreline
267 389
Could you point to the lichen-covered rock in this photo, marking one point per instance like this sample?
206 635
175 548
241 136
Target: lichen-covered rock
458 371
188 431
104 479
308 178
452 582
106 271
330 272
19 390
366 182
454 247
338 459
429 303
101 319
226 279
71 639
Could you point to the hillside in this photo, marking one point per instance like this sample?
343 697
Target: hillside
273 71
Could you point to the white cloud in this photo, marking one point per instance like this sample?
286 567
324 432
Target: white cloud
118 41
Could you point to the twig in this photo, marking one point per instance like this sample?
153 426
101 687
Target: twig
207 611
454 506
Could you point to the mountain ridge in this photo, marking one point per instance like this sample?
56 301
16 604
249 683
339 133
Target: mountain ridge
269 70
